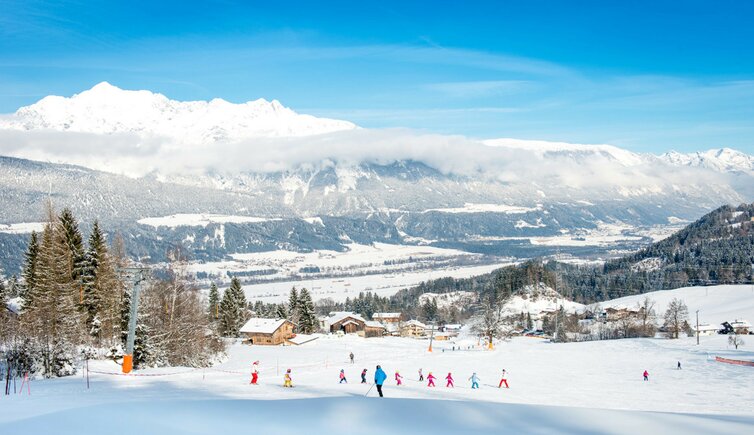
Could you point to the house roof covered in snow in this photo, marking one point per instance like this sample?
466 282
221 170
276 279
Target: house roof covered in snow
258 325
707 327
373 324
413 322
739 323
337 316
377 316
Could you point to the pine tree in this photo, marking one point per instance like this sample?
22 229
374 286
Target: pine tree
233 309
74 241
307 315
281 312
293 306
30 270
102 288
214 303
52 316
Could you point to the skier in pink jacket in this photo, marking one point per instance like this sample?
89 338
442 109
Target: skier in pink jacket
398 378
449 378
431 378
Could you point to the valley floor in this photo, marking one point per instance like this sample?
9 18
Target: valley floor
593 387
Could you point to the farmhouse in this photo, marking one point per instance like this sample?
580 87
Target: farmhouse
707 329
345 321
741 326
387 317
373 329
267 331
413 328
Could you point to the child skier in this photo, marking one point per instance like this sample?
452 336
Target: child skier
679 365
343 377
398 378
431 378
288 381
254 373
351 356
503 380
646 375
364 376
474 381
449 378
421 376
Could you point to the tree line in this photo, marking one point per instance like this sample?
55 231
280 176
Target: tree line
73 302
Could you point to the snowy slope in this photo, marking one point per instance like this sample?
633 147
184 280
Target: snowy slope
592 387
536 299
716 304
108 109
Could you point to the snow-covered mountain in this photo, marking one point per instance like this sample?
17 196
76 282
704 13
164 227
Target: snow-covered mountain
723 159
107 109
261 160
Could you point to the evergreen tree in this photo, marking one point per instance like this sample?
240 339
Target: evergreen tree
293 306
14 287
102 289
214 303
30 270
529 323
75 243
233 309
3 294
308 322
52 317
281 312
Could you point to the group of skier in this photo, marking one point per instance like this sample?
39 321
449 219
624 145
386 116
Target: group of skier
380 376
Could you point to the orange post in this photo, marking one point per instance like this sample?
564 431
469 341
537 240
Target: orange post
128 363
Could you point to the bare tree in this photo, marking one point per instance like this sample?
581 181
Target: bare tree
735 340
647 317
676 315
491 322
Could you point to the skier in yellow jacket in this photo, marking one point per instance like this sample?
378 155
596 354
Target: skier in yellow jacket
288 381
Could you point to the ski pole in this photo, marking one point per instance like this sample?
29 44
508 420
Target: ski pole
370 389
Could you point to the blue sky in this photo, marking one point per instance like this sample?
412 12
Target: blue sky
648 76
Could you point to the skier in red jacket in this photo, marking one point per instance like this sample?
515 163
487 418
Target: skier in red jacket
646 375
254 373
449 378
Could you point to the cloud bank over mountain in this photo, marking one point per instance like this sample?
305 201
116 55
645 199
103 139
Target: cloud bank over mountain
139 133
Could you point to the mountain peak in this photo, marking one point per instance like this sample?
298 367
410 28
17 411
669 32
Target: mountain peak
108 109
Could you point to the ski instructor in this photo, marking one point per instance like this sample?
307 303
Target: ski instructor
379 379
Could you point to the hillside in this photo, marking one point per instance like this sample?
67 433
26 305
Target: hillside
716 249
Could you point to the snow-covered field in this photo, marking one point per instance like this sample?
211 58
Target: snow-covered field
338 289
378 258
715 303
198 220
593 387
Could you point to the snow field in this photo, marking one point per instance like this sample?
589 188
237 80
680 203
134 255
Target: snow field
593 376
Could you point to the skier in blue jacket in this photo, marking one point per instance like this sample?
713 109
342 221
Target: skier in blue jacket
474 381
379 379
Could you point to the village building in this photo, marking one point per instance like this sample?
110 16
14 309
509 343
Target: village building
391 322
374 329
387 317
612 314
705 329
741 326
268 331
413 328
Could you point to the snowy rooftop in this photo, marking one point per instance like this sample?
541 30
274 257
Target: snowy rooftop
337 316
415 323
373 324
258 325
376 316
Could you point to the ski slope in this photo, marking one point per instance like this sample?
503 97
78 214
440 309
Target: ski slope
716 304
592 387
